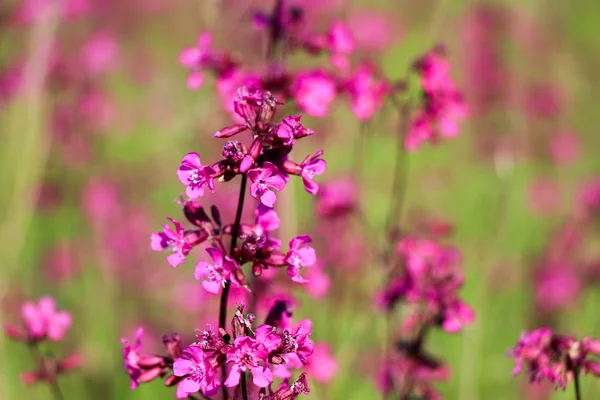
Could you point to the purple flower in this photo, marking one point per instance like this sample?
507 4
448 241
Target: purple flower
314 91
173 240
291 128
42 320
197 372
367 93
299 257
311 166
248 355
216 274
195 176
132 356
263 179
195 58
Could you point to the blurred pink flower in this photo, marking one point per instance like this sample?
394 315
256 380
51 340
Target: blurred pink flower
321 366
367 92
99 53
564 147
373 31
42 320
319 282
100 200
314 91
31 11
61 262
543 196
337 197
557 287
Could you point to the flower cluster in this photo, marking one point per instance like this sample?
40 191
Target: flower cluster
427 278
557 358
42 322
266 352
430 281
266 164
312 90
443 105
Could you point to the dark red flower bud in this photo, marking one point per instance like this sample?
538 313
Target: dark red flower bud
150 361
196 237
290 167
195 213
173 380
230 131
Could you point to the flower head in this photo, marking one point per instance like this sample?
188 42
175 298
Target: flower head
197 373
42 320
299 257
248 355
131 357
216 274
312 166
263 180
174 240
314 92
195 176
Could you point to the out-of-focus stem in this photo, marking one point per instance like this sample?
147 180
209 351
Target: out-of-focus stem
225 294
38 358
577 387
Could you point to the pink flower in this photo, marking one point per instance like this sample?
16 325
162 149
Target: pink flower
341 44
312 166
247 355
291 128
195 58
557 287
174 240
336 198
99 53
264 179
299 257
319 282
444 107
314 92
197 372
373 30
564 148
367 92
42 320
321 366
216 274
195 176
456 316
532 346
132 356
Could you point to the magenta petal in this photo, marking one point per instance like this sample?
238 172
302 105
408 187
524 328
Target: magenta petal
310 186
299 240
211 286
192 160
318 167
189 57
176 259
190 385
234 378
157 241
195 80
182 367
246 164
261 376
201 271
277 182
307 255
268 199
194 192
216 255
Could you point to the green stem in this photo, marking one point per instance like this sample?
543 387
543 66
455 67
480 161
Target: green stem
577 387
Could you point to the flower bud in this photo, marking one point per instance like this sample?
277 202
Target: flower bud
230 131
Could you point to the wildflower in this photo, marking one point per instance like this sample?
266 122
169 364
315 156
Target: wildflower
216 275
246 355
42 320
263 180
314 92
197 373
174 240
310 167
195 176
299 257
367 93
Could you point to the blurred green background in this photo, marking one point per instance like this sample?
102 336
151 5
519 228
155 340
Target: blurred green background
119 283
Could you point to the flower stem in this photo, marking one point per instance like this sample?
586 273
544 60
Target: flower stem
37 356
225 294
577 388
